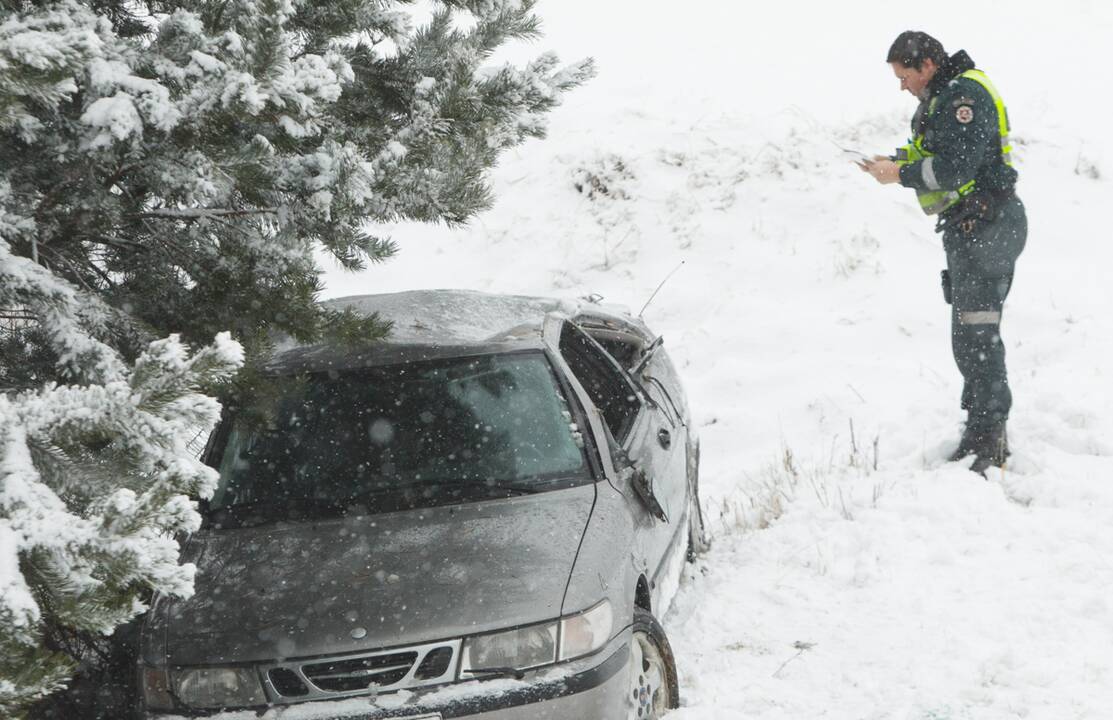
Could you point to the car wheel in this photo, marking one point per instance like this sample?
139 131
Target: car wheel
652 683
698 542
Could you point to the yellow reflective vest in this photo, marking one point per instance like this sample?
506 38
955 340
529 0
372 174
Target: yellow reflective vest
936 201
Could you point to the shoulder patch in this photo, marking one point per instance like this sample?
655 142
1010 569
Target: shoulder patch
964 114
957 102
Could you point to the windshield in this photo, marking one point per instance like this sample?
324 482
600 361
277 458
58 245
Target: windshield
396 437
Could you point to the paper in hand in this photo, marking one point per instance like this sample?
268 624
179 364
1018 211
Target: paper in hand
858 157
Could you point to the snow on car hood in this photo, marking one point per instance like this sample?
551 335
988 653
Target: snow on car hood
353 584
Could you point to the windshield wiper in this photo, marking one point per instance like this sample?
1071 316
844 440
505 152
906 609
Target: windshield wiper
509 487
262 512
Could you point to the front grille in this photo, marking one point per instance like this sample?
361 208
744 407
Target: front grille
355 674
435 663
360 673
287 682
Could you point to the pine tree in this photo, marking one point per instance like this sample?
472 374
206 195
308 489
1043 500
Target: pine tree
94 483
170 168
198 153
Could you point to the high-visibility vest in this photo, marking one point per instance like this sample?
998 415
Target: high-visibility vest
936 201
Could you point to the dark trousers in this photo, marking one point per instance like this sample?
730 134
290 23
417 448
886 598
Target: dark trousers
981 270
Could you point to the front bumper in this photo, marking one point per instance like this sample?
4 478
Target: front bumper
594 694
590 689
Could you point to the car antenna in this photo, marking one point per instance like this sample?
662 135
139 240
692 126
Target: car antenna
659 288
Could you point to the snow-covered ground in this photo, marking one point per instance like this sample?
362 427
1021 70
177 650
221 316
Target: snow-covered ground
855 573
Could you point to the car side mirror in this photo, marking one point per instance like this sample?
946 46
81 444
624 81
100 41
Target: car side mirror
643 488
640 482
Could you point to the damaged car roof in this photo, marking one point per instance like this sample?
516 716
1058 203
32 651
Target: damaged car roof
428 324
454 317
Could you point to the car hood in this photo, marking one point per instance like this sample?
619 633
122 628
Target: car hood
360 583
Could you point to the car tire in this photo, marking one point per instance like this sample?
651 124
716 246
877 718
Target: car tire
698 542
652 686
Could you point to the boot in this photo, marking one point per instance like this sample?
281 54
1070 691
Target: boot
968 445
991 450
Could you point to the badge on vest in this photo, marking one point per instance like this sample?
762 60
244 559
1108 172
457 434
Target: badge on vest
964 114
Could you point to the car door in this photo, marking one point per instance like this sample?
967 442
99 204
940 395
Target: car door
647 363
646 431
667 443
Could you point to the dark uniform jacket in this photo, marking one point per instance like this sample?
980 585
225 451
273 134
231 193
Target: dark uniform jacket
958 120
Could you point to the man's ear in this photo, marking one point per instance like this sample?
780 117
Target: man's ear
928 65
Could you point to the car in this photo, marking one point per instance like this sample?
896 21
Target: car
484 515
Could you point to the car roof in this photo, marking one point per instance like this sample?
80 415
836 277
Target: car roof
429 324
454 317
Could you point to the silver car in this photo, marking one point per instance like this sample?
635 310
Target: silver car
481 517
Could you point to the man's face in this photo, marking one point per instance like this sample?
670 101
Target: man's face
913 80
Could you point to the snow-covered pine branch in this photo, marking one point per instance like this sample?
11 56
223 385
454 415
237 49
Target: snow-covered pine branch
219 144
95 480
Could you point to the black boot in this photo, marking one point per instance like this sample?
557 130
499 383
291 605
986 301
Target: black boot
968 445
992 449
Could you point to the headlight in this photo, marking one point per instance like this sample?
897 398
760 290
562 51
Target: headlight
218 687
585 633
520 649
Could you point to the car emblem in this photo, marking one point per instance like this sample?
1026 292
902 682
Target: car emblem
358 633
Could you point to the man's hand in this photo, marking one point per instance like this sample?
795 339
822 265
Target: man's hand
883 170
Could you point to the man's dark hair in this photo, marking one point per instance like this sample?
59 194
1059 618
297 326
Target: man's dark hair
912 47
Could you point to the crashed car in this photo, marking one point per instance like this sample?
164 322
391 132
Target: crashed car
483 516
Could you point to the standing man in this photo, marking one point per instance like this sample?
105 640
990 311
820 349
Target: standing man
960 166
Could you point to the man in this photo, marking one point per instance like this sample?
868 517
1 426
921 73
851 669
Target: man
959 163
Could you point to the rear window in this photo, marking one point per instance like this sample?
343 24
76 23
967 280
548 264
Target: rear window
396 437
